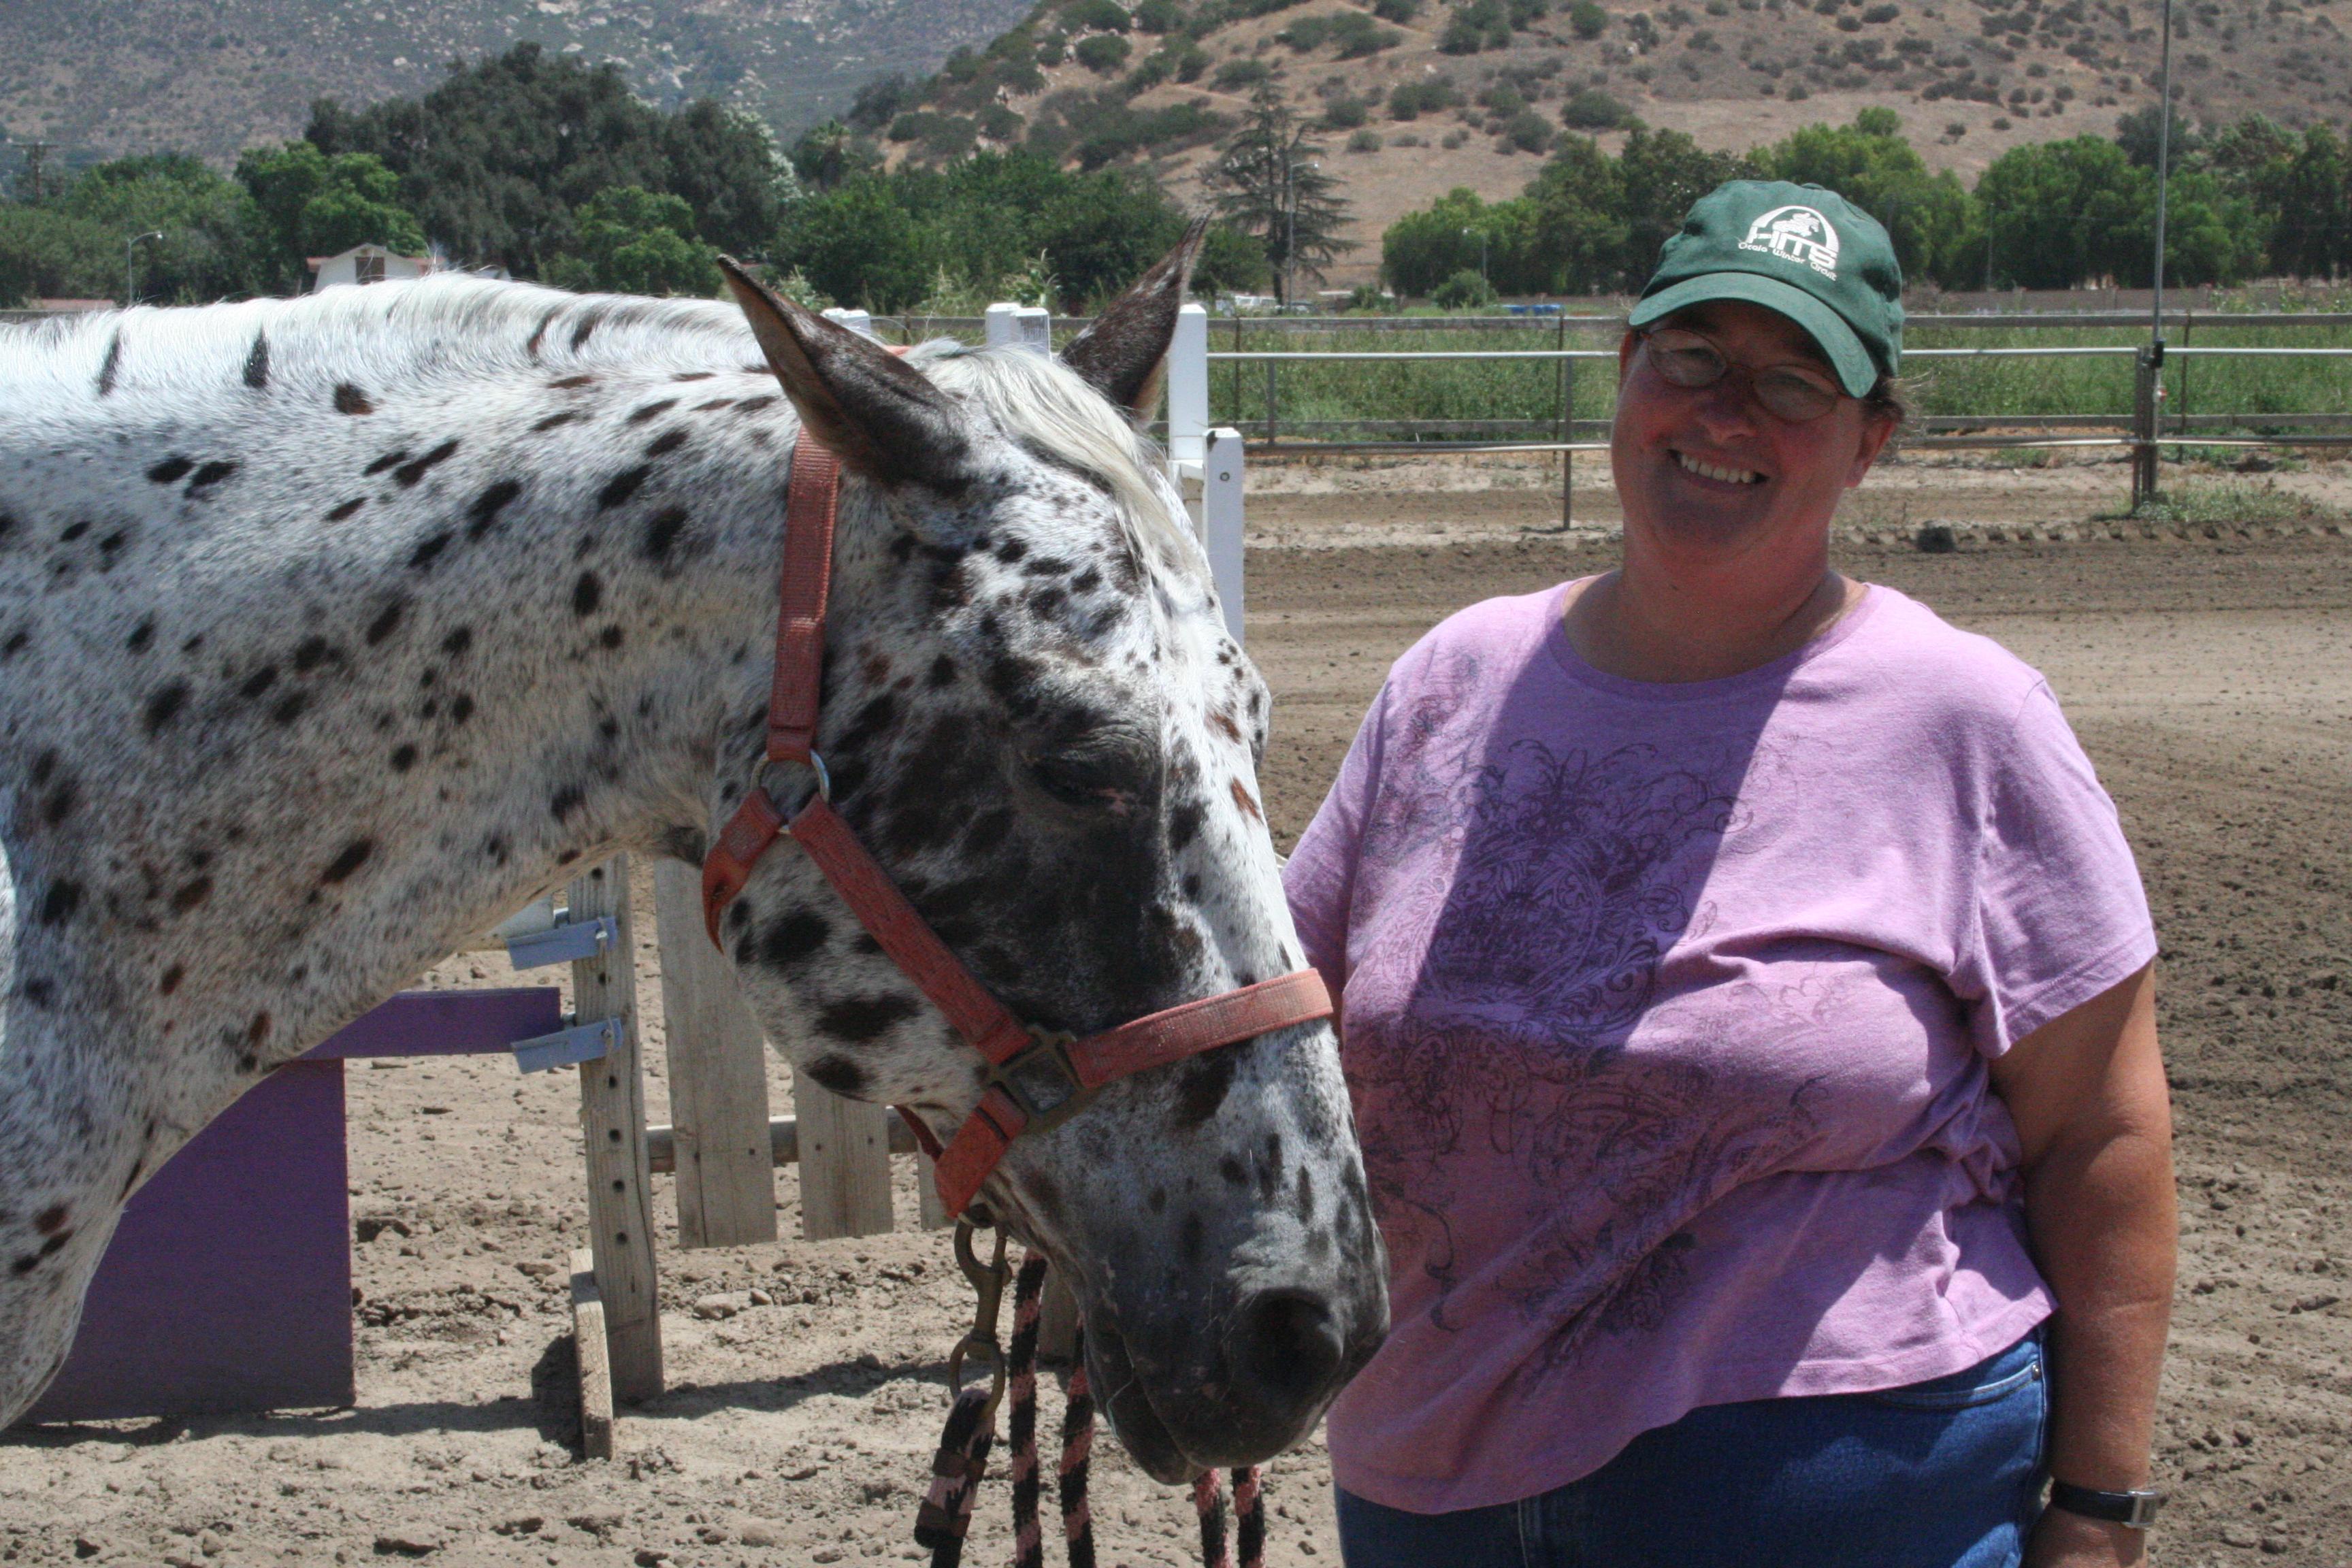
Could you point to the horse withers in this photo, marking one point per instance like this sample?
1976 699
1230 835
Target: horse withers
332 629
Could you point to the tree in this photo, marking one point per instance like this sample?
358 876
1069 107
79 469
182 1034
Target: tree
47 254
827 154
210 228
2058 214
1577 227
1662 173
498 161
1868 163
1266 183
634 241
311 204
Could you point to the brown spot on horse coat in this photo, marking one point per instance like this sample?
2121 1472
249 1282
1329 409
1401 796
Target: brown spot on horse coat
1243 799
354 855
407 474
256 363
350 399
171 470
165 706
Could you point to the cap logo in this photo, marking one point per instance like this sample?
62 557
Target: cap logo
1796 233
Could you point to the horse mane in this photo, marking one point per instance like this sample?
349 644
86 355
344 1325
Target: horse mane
454 327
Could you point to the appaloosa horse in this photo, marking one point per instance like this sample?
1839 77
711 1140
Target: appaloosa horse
333 629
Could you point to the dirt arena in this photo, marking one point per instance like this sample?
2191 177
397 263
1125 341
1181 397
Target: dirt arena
2210 676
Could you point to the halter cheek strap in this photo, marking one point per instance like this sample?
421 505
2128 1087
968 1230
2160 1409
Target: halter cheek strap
1036 1080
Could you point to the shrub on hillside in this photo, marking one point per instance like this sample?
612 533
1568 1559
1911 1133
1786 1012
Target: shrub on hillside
1359 36
1158 16
1588 19
1396 10
1528 132
1095 16
1345 113
1593 109
1103 53
1235 74
1307 33
1476 26
1412 100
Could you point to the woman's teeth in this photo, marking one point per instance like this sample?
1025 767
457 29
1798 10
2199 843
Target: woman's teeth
1709 472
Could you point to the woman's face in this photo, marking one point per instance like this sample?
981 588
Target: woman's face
1708 469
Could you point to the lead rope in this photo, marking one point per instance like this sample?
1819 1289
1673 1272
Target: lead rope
945 1517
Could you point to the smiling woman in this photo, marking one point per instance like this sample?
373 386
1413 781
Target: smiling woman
1745 984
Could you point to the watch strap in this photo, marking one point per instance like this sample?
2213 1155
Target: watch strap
2134 1510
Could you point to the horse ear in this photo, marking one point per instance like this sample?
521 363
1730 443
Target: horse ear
880 417
1124 353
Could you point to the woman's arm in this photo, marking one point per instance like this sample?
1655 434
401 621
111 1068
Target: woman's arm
2087 1093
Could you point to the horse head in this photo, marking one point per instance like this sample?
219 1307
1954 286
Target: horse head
1033 719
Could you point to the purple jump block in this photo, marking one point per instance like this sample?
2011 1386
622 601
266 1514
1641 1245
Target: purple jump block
227 1286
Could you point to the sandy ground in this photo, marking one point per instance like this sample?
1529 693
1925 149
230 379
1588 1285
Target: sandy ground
2212 680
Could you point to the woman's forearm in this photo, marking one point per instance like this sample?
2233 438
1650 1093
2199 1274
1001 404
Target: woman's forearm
2101 1216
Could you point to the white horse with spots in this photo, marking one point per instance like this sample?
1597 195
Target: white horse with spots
333 629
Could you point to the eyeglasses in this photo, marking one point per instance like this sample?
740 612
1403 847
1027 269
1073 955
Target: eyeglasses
1792 392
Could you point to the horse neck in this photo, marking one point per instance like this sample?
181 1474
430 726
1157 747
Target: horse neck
362 738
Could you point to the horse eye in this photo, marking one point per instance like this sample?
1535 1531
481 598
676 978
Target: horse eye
1093 782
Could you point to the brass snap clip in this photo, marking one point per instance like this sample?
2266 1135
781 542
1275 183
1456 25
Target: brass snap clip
988 1280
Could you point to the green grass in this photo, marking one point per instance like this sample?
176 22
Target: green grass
2234 503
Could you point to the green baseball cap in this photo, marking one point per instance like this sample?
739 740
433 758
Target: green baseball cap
1801 250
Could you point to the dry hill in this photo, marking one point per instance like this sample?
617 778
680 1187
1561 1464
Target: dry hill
111 76
1970 77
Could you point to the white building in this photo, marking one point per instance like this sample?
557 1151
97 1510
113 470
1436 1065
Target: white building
368 264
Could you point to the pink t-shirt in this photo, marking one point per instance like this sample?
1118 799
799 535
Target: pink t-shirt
1667 1010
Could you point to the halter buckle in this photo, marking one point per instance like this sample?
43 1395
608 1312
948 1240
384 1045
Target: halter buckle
1043 1080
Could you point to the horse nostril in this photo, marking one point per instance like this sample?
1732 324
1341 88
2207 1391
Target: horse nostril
1287 1343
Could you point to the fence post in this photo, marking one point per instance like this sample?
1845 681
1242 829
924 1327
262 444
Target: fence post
1188 386
1269 403
858 321
1221 522
2146 368
1567 438
845 1163
718 1078
613 1126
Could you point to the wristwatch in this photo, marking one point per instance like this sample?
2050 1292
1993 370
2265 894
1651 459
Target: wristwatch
2133 1509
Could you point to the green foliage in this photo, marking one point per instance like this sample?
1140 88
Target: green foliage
1097 16
1412 100
46 255
635 241
1308 33
883 240
310 205
210 229
1230 262
1359 36
1268 182
496 161
1240 73
2057 213
1345 113
1590 109
1588 19
1870 164
1477 25
827 154
1396 10
1528 132
1586 223
879 101
1158 16
1103 53
1466 290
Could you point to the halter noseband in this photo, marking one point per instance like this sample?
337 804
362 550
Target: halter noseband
1037 1079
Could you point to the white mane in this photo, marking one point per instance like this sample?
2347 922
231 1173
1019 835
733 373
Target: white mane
455 328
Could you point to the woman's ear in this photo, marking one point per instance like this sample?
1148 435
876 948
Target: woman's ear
1877 429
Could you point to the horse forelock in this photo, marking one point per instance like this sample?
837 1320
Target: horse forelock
1043 403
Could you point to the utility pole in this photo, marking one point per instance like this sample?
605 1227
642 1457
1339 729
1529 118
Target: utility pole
2163 176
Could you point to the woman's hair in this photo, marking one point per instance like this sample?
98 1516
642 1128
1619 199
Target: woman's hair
1890 399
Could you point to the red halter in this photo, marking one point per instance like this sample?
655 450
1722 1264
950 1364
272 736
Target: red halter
1036 1080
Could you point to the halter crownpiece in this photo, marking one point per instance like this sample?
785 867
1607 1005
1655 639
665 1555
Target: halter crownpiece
1036 1080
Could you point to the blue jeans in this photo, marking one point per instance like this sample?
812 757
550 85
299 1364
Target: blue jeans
1941 1474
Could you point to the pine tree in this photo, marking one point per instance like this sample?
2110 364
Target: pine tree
1267 183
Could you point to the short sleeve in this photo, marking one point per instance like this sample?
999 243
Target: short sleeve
2060 913
1321 878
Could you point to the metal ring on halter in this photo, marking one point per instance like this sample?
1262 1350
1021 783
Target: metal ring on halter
815 764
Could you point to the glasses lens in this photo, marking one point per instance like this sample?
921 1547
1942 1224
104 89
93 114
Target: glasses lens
1685 359
1793 395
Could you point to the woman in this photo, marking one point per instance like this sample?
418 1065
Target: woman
1746 1004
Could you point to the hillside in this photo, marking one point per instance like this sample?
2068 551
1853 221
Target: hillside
1971 78
103 77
